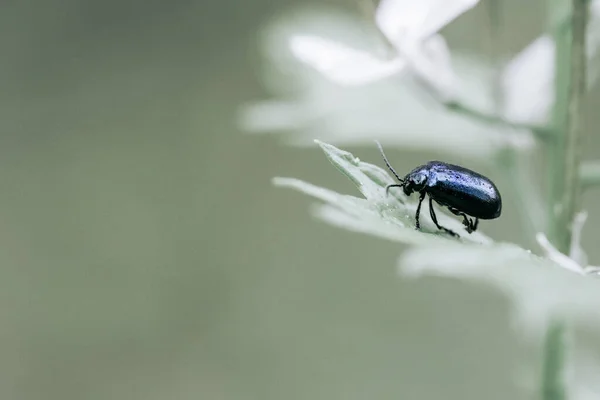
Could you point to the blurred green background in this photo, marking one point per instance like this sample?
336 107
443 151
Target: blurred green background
145 254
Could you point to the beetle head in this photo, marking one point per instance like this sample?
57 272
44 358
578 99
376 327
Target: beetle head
414 182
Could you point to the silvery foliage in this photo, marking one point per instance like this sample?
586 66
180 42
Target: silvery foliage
336 79
347 86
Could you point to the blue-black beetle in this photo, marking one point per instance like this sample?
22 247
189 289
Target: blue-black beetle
466 193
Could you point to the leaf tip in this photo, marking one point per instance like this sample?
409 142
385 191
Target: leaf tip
279 181
327 148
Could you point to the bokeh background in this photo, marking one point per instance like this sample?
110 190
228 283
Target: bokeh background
145 255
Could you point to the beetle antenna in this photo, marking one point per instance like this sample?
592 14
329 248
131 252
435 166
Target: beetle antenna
388 163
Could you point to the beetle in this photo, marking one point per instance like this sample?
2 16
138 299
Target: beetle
464 192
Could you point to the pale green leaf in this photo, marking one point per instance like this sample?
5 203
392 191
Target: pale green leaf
538 288
390 217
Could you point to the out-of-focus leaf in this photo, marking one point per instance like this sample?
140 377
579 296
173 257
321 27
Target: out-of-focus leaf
538 288
359 215
390 217
586 370
402 20
394 110
342 64
528 79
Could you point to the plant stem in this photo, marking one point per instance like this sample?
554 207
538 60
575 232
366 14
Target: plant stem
577 92
564 152
541 132
553 380
589 174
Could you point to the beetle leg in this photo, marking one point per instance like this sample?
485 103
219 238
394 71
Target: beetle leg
471 224
434 218
468 223
421 198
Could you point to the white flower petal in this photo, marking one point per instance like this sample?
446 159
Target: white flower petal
432 62
342 64
400 18
436 49
527 82
403 19
528 79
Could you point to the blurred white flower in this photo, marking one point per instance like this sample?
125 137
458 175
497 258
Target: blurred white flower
343 92
410 20
410 27
527 83
395 111
528 79
342 64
